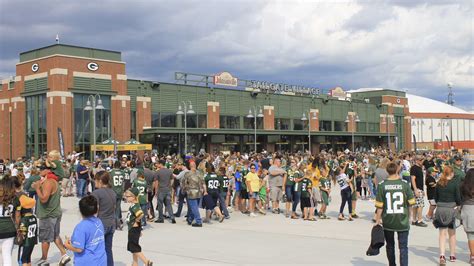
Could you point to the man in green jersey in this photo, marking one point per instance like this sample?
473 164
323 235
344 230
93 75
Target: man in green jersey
117 178
459 174
394 197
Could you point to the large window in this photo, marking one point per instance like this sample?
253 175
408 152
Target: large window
249 123
168 120
36 125
298 124
82 122
325 125
232 122
155 119
340 126
282 124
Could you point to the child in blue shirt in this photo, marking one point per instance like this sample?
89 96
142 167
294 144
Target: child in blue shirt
87 241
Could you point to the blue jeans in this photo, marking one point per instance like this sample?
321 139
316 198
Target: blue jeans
296 200
346 196
108 237
193 205
371 188
402 245
81 187
181 197
222 205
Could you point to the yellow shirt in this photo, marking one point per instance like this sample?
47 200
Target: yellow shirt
254 181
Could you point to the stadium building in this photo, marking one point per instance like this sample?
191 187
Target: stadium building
63 95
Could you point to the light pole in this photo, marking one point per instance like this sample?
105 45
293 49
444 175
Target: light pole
309 118
392 121
253 114
352 118
443 124
92 105
186 107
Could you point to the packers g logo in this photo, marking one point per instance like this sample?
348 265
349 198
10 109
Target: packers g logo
35 67
92 66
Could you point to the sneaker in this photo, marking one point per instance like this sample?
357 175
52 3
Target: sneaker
421 224
442 261
41 262
355 216
452 258
262 211
196 225
64 260
275 211
173 221
253 214
159 221
278 210
326 217
413 223
149 263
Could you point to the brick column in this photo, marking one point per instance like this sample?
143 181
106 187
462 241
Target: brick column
268 117
213 114
5 128
407 128
313 123
59 102
143 116
351 125
121 123
383 123
18 127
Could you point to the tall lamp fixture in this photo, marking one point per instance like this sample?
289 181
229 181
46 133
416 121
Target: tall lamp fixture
309 118
253 114
94 102
355 118
185 108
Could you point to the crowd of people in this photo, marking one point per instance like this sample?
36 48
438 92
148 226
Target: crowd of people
150 185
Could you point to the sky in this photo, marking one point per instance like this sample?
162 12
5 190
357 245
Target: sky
416 46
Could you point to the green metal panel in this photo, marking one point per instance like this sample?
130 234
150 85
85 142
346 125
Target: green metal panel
36 85
168 100
234 102
93 84
132 88
71 51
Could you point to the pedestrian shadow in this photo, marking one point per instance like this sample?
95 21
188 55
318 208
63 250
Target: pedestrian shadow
431 253
362 261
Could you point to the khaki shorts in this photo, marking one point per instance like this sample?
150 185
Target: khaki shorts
276 193
49 229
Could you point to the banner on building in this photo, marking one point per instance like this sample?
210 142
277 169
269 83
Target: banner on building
61 142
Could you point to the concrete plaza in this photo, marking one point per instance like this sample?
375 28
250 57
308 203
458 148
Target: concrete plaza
270 239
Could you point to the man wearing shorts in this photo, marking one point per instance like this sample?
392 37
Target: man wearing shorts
275 181
49 214
416 173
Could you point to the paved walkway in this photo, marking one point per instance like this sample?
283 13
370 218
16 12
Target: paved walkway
270 239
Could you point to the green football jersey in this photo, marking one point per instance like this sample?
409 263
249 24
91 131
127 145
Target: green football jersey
296 175
325 183
394 197
244 173
290 177
6 223
141 185
134 212
306 186
212 183
224 183
30 229
116 181
58 171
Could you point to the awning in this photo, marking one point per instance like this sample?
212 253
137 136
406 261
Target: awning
122 147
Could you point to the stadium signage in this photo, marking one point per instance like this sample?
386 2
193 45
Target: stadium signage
225 79
283 88
92 66
35 67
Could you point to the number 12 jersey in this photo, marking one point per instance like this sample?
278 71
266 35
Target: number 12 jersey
394 197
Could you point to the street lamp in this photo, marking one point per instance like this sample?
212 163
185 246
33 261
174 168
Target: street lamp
253 114
92 105
304 118
355 118
188 109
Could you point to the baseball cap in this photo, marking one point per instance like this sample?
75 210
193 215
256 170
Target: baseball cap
27 202
124 156
432 170
134 191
